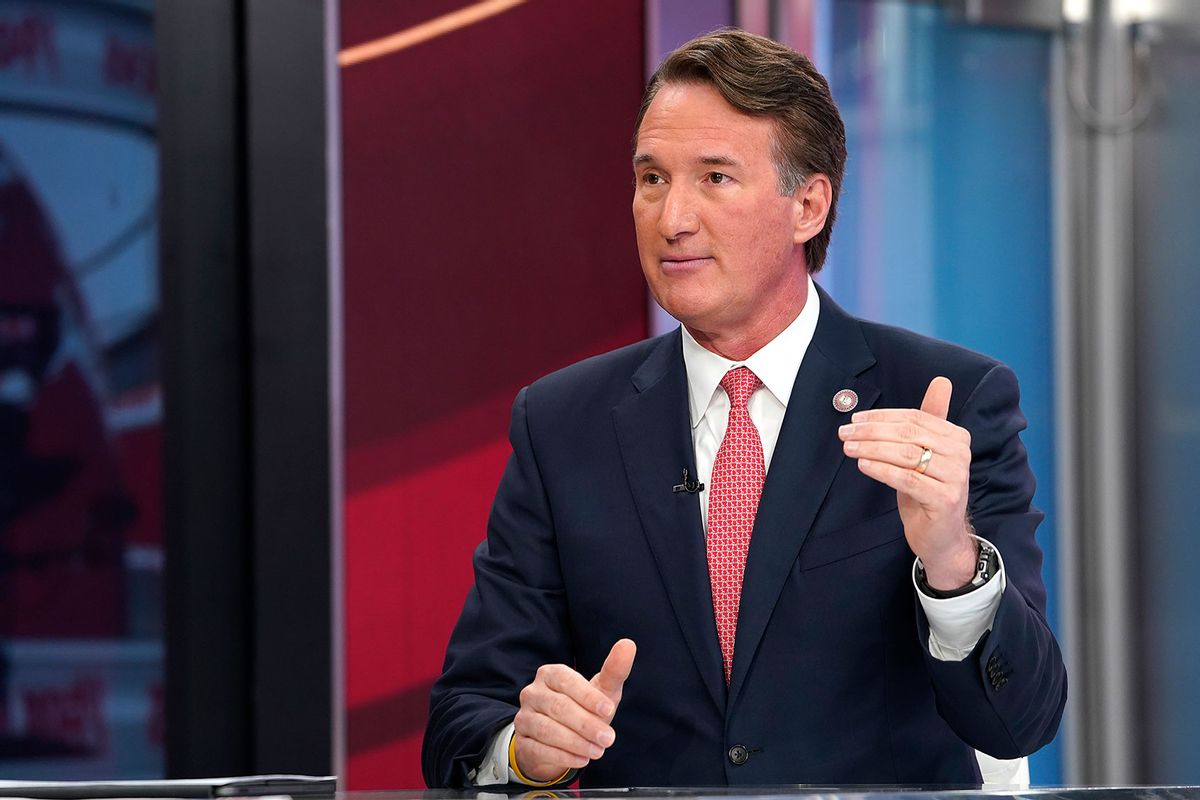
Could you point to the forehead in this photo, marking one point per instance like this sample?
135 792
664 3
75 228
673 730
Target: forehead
696 116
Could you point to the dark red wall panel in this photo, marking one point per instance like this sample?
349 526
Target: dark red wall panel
487 241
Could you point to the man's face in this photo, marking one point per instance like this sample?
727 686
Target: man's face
718 243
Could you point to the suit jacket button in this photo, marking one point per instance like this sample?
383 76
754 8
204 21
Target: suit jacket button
739 755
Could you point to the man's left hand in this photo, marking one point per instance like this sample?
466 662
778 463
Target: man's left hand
927 460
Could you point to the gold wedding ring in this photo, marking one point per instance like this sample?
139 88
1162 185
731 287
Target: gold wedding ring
923 464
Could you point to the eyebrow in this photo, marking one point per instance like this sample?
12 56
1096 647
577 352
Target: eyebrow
722 161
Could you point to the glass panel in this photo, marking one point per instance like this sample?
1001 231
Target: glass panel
80 404
945 220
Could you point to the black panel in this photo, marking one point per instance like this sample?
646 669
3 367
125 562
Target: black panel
288 250
245 309
206 391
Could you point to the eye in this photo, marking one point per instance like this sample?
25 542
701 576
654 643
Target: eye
652 179
718 177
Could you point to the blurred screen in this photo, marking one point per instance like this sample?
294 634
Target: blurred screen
80 399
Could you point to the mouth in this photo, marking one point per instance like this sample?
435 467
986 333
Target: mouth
685 263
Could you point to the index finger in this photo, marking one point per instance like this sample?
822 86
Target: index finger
911 416
575 686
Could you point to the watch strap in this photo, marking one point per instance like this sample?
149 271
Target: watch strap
987 564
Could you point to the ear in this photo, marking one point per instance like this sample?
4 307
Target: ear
812 200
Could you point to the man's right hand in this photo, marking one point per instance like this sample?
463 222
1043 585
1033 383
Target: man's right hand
564 718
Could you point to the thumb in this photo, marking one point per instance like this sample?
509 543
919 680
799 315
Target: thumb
616 669
937 397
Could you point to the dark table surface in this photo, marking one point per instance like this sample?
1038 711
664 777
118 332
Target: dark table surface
805 791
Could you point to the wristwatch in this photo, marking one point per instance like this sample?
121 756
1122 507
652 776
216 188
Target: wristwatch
987 564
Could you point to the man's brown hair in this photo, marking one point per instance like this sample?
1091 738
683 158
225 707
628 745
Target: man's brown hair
763 78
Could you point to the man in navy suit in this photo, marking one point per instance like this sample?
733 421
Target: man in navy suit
699 567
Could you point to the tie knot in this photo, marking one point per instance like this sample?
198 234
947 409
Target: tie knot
739 383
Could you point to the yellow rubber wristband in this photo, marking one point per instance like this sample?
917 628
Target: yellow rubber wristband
512 763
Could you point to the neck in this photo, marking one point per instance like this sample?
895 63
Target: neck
740 343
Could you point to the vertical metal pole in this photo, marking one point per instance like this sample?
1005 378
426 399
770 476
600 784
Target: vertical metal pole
333 145
1105 417
1067 190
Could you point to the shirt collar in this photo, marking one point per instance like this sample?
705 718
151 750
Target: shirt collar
775 363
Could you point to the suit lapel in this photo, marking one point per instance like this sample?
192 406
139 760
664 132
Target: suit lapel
806 458
654 433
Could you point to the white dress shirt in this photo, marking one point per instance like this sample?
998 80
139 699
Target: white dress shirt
955 624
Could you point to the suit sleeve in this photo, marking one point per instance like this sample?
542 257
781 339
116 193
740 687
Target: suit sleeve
1007 697
514 620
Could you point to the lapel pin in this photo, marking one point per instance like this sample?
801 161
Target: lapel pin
845 400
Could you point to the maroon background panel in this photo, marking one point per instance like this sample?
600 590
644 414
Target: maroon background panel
488 240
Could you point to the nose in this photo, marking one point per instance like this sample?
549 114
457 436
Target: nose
678 213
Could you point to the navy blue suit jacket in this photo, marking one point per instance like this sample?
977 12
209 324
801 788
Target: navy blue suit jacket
832 682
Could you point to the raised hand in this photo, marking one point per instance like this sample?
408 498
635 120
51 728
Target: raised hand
927 460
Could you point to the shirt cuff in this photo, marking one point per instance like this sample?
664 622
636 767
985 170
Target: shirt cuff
494 769
956 624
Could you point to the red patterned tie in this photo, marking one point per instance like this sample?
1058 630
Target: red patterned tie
736 485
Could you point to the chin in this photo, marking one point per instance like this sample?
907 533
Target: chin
685 306
695 319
